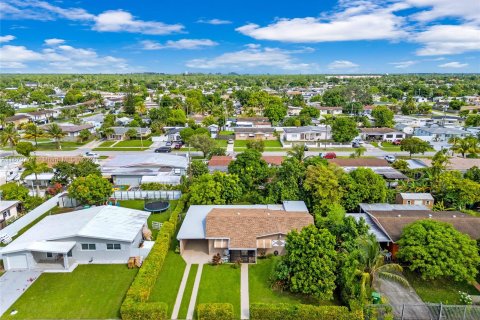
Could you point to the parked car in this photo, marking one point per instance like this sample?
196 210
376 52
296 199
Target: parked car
305 147
163 150
230 141
169 143
328 155
390 158
91 154
397 142
355 145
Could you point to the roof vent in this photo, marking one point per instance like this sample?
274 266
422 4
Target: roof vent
429 215
399 216
454 216
238 213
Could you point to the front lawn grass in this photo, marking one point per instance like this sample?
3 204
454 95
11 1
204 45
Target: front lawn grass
220 284
222 143
267 143
168 281
107 144
440 290
134 143
89 292
187 294
66 146
261 291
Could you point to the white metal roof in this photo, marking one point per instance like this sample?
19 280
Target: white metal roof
380 235
147 160
4 205
366 207
103 222
416 196
40 176
295 206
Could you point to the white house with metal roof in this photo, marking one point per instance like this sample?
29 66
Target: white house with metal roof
101 235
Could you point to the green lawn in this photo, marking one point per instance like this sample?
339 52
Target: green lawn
134 143
89 292
23 110
268 143
158 217
388 146
226 132
66 146
440 290
107 144
220 284
168 281
222 143
262 292
187 294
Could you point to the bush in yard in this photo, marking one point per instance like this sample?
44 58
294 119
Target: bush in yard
284 311
215 311
91 189
136 305
436 249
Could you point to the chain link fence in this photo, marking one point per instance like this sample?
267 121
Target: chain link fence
427 311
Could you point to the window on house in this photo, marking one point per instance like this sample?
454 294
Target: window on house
220 243
49 255
89 246
69 254
409 202
114 246
427 202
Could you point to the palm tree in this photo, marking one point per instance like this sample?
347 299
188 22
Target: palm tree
31 166
374 266
33 131
9 135
107 132
359 152
56 133
466 145
298 152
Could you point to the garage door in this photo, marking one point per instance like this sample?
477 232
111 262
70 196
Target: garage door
17 262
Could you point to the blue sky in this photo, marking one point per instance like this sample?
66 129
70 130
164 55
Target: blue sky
365 36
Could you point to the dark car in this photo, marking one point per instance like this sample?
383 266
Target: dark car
355 145
163 150
305 148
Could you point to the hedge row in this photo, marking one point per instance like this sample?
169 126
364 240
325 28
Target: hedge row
136 305
215 311
283 311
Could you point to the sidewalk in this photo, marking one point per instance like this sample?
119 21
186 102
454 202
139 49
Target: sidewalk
244 293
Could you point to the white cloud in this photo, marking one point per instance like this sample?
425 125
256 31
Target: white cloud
60 58
252 58
342 64
454 64
54 41
464 9
448 39
7 38
214 21
187 44
365 21
108 21
404 64
123 21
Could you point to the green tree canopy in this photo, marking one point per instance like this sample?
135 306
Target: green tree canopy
14 191
383 116
203 143
25 148
363 185
436 249
216 188
251 169
256 144
414 145
6 109
197 168
344 129
91 189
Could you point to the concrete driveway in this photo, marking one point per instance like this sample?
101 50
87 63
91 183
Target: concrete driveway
398 295
13 284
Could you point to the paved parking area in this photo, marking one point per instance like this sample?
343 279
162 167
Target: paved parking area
13 284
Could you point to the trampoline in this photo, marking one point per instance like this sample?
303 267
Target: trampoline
156 205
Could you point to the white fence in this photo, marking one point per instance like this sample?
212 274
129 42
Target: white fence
12 229
150 194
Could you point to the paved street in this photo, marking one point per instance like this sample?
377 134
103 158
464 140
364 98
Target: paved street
13 284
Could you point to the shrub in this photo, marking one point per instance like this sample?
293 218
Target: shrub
283 311
215 311
136 305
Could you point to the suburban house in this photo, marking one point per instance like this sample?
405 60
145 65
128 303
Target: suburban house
308 135
381 134
18 119
425 199
119 132
73 131
41 180
437 133
387 221
329 110
8 210
248 133
294 111
452 121
132 170
96 120
254 122
219 163
173 134
240 232
42 116
101 235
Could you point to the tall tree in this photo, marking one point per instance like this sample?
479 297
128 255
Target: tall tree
344 129
414 145
91 189
9 135
32 166
56 132
383 116
216 188
33 131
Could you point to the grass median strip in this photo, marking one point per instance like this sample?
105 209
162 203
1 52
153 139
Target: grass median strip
187 294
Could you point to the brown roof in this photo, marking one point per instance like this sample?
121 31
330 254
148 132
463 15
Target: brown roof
328 108
254 119
275 160
393 222
243 226
377 130
457 163
17 117
220 161
76 128
359 162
